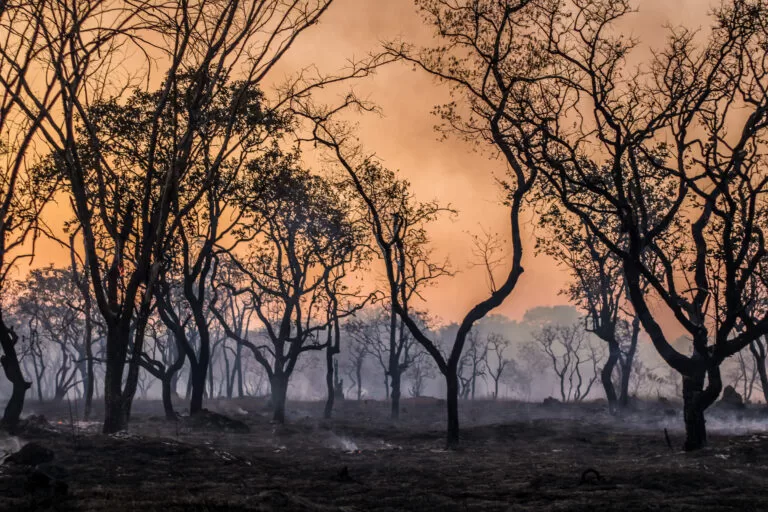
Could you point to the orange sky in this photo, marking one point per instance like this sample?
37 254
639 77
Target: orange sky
449 171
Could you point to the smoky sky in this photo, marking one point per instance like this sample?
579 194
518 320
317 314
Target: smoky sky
452 171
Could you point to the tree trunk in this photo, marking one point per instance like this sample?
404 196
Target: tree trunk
229 375
605 376
170 414
198 378
452 401
329 382
239 369
279 384
626 365
89 385
395 379
10 363
358 374
115 417
696 400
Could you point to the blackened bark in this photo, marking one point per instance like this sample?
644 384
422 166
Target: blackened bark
395 379
329 381
198 376
614 352
170 414
12 369
239 369
279 384
627 362
696 400
452 401
115 417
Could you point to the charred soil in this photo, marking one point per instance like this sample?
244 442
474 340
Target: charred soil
512 457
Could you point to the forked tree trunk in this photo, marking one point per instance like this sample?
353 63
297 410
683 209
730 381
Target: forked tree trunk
696 400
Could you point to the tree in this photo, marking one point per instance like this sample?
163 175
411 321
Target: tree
669 172
496 364
128 212
357 351
22 197
369 332
486 59
51 299
164 361
300 234
472 365
574 359
421 369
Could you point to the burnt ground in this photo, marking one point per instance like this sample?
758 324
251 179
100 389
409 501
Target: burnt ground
512 457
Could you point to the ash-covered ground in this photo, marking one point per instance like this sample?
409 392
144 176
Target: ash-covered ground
513 456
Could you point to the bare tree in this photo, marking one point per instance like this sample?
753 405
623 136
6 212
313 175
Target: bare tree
669 172
472 365
574 359
127 215
485 57
300 235
163 359
22 197
51 299
356 351
421 370
496 361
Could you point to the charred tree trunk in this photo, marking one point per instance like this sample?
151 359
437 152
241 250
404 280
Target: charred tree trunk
279 384
614 352
198 379
329 382
696 400
452 402
239 370
188 392
395 381
115 414
626 364
170 414
12 369
359 375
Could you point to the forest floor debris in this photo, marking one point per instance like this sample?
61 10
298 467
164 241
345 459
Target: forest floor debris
512 457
